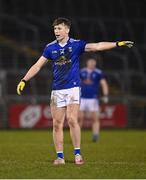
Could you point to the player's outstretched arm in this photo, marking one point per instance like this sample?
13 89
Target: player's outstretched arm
101 46
31 73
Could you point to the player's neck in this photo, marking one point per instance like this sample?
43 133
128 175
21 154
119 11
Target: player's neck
90 69
64 40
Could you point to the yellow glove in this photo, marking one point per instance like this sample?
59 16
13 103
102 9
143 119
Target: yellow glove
21 86
125 43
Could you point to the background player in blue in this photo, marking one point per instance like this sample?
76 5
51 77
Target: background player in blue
64 53
91 80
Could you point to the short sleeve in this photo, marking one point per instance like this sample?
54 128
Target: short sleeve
46 53
102 76
82 45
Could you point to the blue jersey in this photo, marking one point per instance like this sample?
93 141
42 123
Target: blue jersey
65 63
90 82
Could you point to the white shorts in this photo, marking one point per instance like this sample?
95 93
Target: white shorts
90 105
64 97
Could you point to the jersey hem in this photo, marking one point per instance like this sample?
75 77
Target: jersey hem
64 88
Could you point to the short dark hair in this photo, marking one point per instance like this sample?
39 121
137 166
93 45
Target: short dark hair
61 20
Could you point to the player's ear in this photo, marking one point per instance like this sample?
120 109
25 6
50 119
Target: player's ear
67 29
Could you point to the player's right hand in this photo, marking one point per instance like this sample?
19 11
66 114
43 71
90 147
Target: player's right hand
125 43
105 99
21 86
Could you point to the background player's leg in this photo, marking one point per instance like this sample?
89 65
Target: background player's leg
95 125
58 115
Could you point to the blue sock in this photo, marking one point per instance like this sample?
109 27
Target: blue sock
77 151
60 154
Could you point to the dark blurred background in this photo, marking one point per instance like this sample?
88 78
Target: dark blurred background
25 29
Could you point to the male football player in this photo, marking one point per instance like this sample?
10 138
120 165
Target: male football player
64 53
91 80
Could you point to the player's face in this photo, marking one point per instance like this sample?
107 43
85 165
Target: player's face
91 64
61 31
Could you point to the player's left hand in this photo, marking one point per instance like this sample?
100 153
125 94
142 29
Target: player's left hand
129 44
105 99
21 86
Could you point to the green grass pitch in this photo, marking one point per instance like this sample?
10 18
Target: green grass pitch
29 154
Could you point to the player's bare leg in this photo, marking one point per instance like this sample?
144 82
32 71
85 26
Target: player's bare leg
75 131
72 118
58 115
95 125
81 118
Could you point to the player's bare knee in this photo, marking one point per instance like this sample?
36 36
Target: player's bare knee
57 128
72 122
57 125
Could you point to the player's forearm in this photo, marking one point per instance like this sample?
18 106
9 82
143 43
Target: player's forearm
31 72
105 89
105 93
101 46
